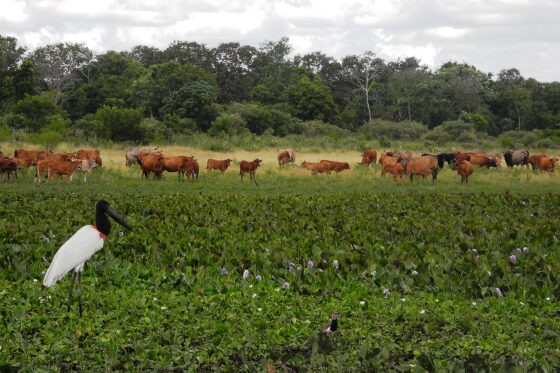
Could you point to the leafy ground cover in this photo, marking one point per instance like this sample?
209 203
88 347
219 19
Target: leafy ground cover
414 274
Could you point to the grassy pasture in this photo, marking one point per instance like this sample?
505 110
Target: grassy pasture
155 299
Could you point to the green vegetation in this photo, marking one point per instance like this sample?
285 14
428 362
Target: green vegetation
146 95
155 299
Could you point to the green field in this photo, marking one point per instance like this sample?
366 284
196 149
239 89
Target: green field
155 299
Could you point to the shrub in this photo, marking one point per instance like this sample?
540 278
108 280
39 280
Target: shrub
316 128
456 131
120 124
405 130
227 123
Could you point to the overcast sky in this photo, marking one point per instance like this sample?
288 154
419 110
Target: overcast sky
490 34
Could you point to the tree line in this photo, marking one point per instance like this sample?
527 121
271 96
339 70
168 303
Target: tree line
147 93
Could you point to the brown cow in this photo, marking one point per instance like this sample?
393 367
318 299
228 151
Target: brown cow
250 168
90 154
152 162
8 167
192 169
23 162
133 155
87 165
33 155
58 167
213 164
369 157
316 167
547 164
386 161
423 166
482 160
176 164
395 170
286 156
336 166
465 169
534 160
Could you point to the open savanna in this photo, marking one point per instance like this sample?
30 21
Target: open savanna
413 269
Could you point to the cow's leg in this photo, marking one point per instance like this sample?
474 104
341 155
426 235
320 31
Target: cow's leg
255 179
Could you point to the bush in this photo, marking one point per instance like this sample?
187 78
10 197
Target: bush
227 124
316 128
258 118
405 130
455 131
120 124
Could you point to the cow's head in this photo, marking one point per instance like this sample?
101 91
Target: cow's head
257 162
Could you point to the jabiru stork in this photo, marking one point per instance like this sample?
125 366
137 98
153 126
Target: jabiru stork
80 247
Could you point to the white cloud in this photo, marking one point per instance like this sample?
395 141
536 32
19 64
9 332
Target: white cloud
13 10
490 34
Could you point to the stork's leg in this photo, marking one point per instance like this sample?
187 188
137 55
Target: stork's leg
70 291
80 291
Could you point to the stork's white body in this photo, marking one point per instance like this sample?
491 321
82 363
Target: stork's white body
72 255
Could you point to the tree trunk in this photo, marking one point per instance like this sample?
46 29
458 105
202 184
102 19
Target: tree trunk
518 118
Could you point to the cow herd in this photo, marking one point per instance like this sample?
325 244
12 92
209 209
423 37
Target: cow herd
50 164
152 160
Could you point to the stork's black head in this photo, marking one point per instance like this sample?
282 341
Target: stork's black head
102 209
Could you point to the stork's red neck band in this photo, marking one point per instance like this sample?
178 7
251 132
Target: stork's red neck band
100 233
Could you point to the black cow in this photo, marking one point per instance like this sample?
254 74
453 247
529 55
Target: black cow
516 158
442 158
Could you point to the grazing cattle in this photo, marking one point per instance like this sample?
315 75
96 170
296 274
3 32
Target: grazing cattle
133 155
548 164
482 160
534 160
8 167
465 169
33 155
151 162
192 169
461 156
58 167
336 166
316 167
442 158
516 158
286 156
385 161
23 162
176 164
422 166
90 154
213 164
395 170
250 168
87 165
369 157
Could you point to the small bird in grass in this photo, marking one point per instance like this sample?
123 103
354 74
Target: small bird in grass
332 326
80 247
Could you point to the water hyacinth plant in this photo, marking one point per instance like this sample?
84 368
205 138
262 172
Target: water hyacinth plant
310 264
386 292
286 285
246 274
223 271
335 264
498 292
258 277
512 259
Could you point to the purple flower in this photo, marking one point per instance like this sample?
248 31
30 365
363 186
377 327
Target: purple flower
245 274
310 264
335 264
223 271
518 250
286 285
258 277
498 292
386 292
291 266
512 259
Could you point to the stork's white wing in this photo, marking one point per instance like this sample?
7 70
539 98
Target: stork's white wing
79 248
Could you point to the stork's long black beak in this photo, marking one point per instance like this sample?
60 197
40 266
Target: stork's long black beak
112 213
